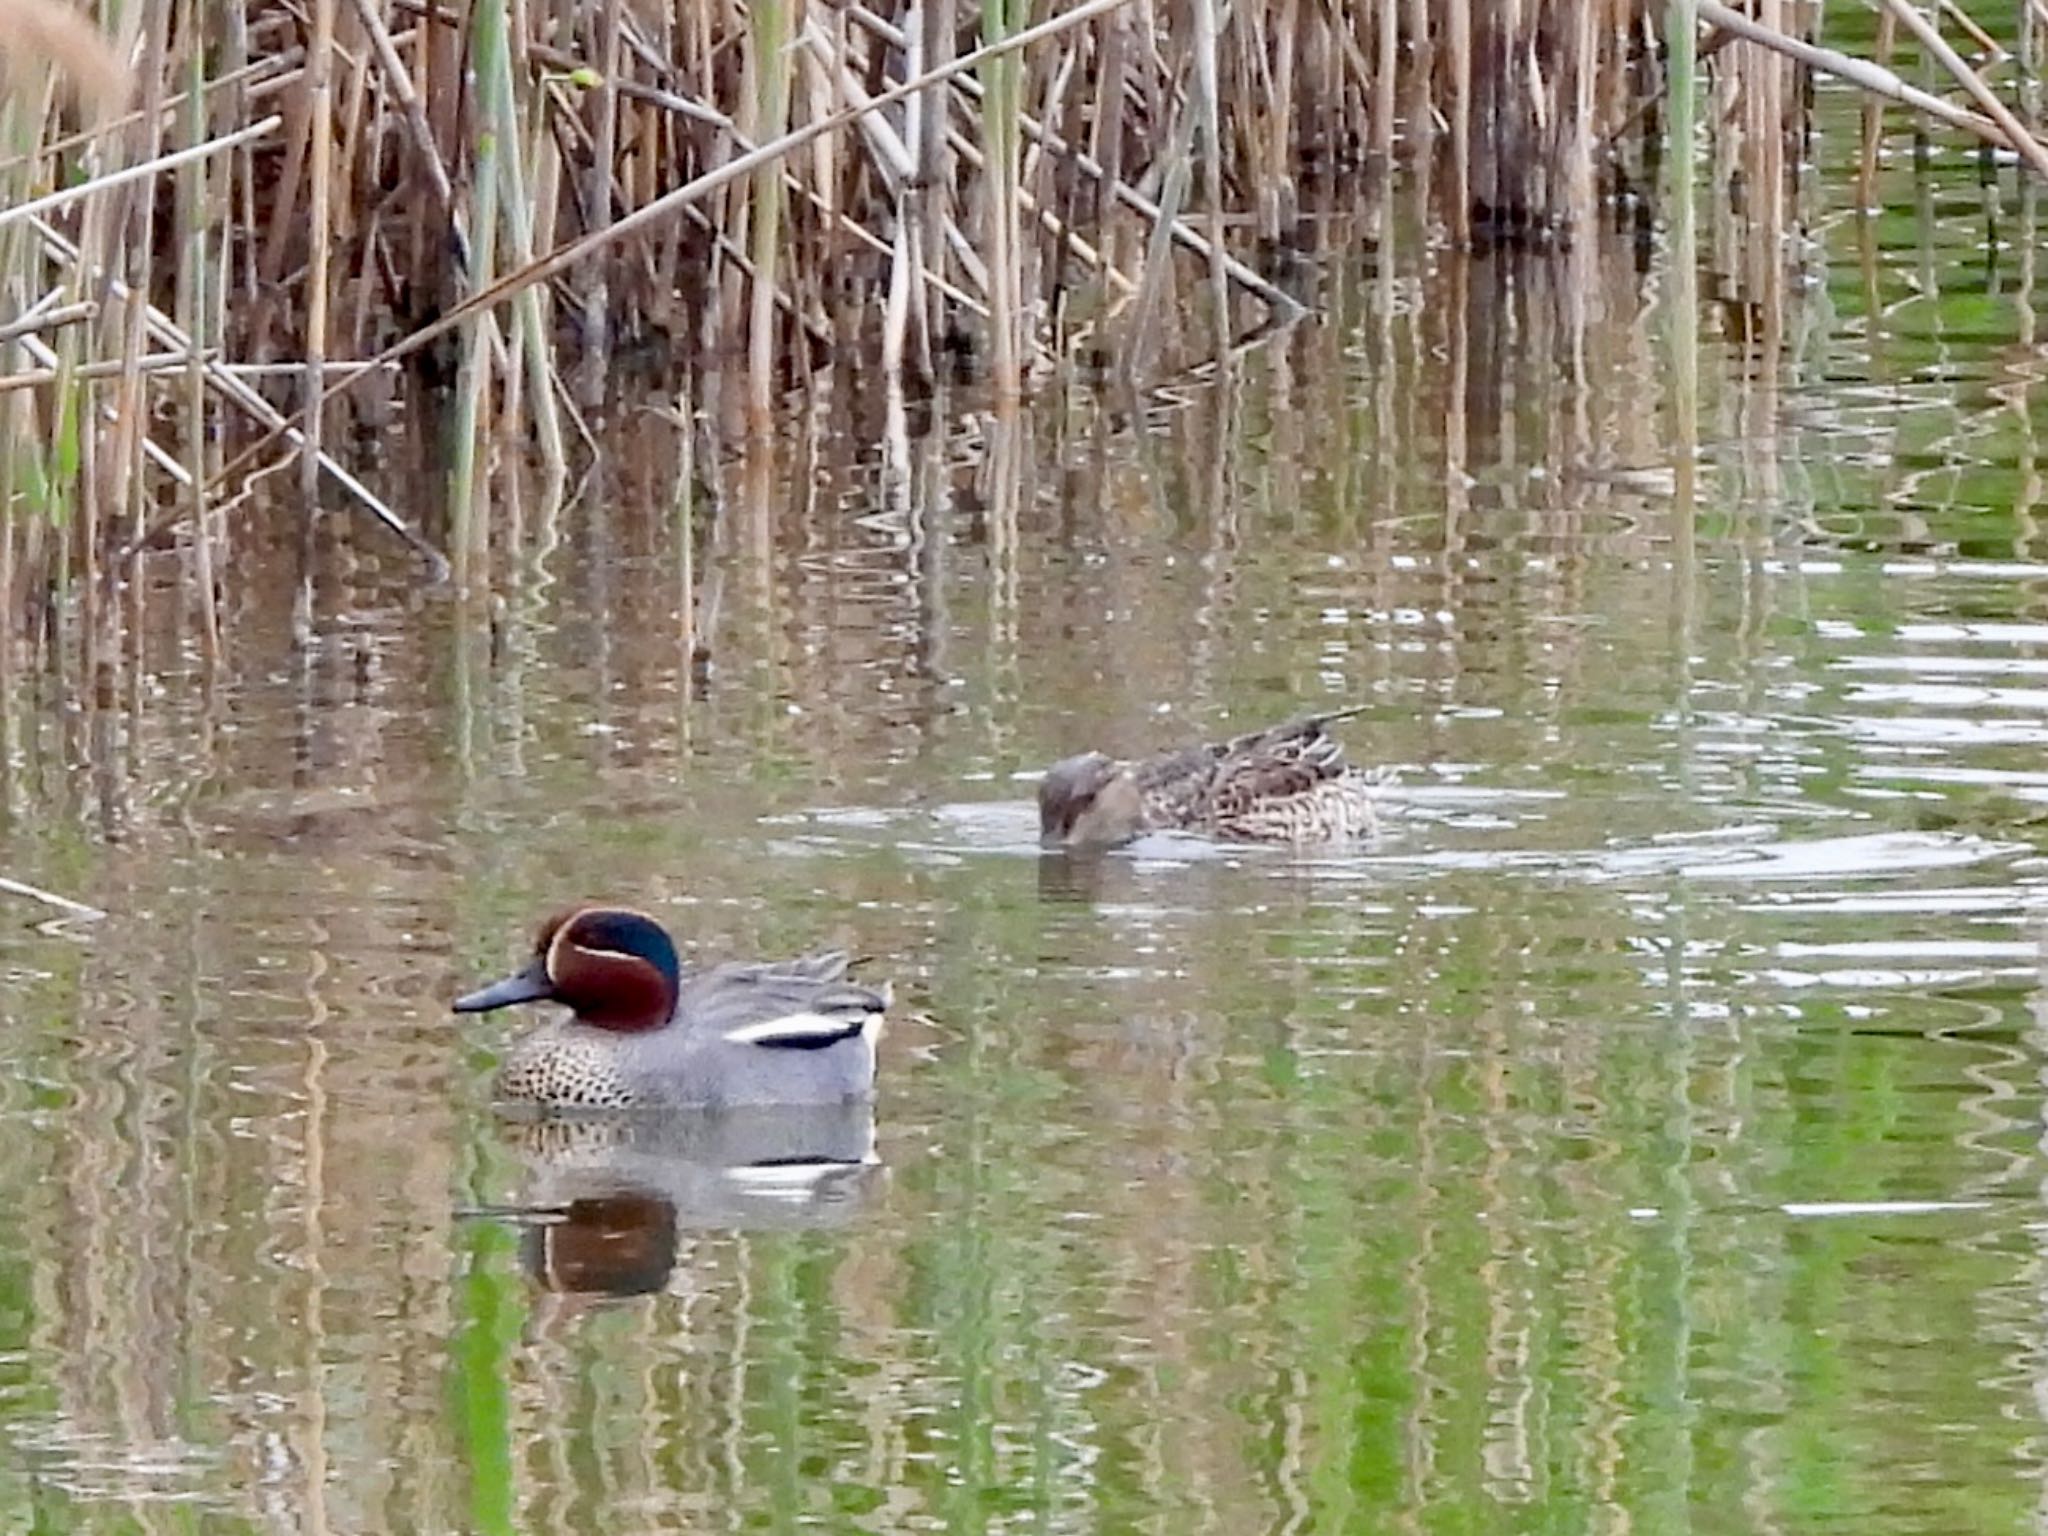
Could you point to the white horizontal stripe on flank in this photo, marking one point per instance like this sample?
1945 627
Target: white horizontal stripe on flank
792 1027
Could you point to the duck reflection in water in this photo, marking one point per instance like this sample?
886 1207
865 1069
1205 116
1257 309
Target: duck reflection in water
606 1199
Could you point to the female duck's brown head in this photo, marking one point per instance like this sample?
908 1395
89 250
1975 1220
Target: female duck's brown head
612 967
1089 801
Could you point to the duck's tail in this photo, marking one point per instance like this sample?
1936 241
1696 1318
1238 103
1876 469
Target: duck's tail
1323 717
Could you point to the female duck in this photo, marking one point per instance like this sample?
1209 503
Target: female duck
641 1033
1286 784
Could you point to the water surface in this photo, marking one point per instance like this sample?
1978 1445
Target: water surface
1641 1134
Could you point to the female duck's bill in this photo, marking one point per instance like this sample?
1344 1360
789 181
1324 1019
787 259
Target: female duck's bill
614 968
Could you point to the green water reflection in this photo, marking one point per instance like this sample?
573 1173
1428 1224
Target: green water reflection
1642 1136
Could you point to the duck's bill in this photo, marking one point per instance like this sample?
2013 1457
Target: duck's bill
529 986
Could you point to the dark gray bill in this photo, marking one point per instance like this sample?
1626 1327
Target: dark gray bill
529 986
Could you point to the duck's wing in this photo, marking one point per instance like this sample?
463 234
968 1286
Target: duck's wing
1174 784
1219 780
1243 786
825 965
787 1005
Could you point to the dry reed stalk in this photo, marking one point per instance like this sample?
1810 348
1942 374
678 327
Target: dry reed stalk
813 277
905 257
1276 194
2030 78
726 174
1773 89
152 363
1001 102
40 321
228 82
1038 193
1209 126
1872 136
930 203
1386 31
1420 128
530 324
1458 43
1139 332
18 212
130 412
967 154
394 78
1993 49
2013 131
168 334
769 100
1682 318
1857 72
320 200
603 105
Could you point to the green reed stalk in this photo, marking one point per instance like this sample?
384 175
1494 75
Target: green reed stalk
530 326
196 316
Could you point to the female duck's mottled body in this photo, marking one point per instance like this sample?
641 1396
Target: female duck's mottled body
643 1033
1287 784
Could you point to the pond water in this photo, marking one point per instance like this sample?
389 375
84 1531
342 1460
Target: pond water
1641 1134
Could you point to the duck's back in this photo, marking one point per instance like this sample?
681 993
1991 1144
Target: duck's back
1288 783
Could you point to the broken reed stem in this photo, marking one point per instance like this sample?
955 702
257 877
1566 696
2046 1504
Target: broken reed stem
46 320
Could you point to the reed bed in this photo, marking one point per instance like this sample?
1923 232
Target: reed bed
238 239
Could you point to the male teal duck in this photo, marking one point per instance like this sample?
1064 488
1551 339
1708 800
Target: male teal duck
1286 784
644 1033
